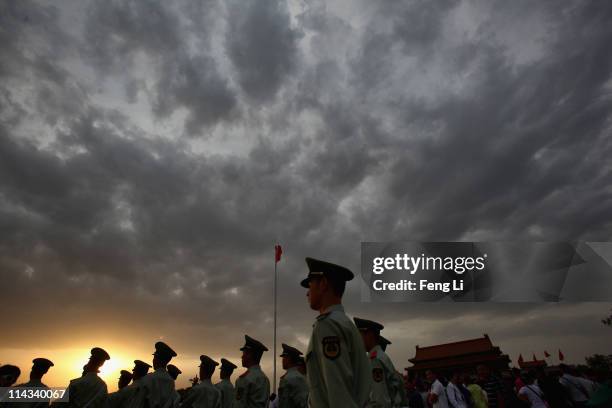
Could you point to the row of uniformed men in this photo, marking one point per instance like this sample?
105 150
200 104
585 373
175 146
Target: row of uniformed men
346 365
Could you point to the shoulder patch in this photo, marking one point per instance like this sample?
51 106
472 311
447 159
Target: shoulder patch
377 374
331 347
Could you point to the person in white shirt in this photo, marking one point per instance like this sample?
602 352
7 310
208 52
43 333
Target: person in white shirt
455 396
437 392
531 393
577 387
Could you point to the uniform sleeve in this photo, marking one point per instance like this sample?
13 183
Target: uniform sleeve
283 394
299 394
334 358
258 393
393 383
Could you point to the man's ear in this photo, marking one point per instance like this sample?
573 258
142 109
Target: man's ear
323 284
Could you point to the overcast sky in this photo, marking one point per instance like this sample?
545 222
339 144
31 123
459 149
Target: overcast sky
151 156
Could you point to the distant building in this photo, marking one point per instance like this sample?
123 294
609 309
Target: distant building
461 355
532 365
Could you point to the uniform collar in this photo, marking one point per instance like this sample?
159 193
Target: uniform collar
206 381
333 308
160 369
255 367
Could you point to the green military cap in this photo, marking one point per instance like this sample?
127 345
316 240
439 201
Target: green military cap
163 350
363 325
227 365
99 354
173 371
252 344
319 268
289 351
141 365
125 373
42 363
206 361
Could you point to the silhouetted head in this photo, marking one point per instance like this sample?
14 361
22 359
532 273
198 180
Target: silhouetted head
207 367
162 355
124 379
370 332
252 352
325 282
431 376
140 369
96 359
9 375
290 356
227 368
40 366
173 371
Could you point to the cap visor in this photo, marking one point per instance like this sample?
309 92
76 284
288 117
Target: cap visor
305 282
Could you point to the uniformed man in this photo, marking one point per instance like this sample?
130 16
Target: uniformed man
338 370
174 373
225 385
158 387
133 394
385 386
117 399
40 367
205 394
252 387
293 387
403 398
90 390
125 377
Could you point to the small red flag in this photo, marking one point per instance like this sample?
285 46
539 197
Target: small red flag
520 359
278 251
546 354
561 356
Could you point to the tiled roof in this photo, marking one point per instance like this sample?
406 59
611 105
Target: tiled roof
459 348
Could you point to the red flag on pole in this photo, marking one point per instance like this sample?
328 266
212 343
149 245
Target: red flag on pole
546 354
278 251
561 356
520 359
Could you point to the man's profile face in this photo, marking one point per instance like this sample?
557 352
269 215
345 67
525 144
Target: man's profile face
286 363
315 293
247 359
430 376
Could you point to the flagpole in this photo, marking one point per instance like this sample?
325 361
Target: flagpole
275 287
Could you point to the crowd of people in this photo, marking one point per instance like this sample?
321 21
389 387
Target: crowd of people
345 366
551 387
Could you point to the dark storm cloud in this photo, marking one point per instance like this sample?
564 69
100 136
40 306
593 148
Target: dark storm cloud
262 46
392 127
177 49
